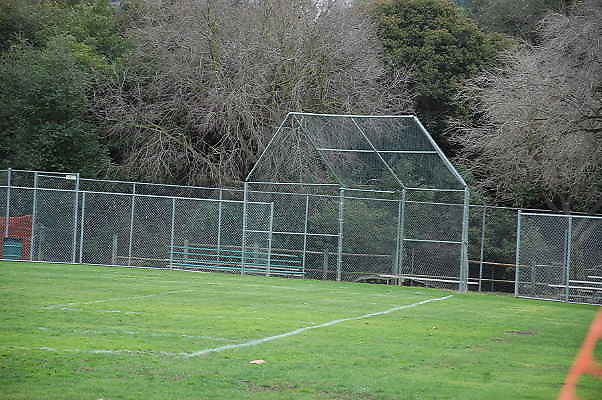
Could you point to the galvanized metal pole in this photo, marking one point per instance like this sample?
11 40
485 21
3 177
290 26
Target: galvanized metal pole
244 228
482 252
81 229
131 238
517 261
325 264
75 219
341 221
219 225
7 213
270 238
464 251
305 232
34 212
401 233
173 225
569 249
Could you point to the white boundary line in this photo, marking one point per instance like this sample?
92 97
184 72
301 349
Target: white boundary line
297 331
238 345
68 305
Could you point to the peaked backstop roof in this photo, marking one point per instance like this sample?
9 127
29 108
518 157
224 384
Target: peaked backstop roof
355 152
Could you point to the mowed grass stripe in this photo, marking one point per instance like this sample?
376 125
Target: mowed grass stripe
214 306
460 348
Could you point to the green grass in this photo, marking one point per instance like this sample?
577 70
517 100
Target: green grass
458 348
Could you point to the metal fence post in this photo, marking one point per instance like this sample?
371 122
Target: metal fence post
400 234
7 217
516 262
81 229
464 250
171 238
482 247
567 264
34 212
244 228
131 238
219 224
305 232
325 264
270 238
114 244
341 221
75 219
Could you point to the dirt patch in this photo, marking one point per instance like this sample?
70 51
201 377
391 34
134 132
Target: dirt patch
523 332
251 387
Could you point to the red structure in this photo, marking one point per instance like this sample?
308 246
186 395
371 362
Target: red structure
19 228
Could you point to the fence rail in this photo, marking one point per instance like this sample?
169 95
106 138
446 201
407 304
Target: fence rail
60 217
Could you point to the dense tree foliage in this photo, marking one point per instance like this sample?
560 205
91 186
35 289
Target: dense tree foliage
55 53
190 91
534 132
440 44
517 18
208 82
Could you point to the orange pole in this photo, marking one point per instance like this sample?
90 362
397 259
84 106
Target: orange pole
584 364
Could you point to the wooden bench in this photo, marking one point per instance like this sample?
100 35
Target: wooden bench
256 261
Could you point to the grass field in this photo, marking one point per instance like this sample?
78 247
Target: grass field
85 332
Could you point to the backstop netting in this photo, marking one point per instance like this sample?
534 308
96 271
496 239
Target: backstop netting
363 197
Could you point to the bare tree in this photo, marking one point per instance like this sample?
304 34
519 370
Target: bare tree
210 80
533 130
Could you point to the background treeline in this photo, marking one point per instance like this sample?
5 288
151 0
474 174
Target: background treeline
190 91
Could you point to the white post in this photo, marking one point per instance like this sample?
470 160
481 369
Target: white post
7 216
271 228
305 232
219 225
567 267
131 238
34 211
482 247
464 250
244 229
517 260
173 222
81 229
341 222
114 260
75 218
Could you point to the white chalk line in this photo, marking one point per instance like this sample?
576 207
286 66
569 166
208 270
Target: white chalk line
136 333
232 346
69 305
300 330
92 351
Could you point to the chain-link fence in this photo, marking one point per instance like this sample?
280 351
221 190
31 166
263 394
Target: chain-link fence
315 231
381 183
559 257
58 217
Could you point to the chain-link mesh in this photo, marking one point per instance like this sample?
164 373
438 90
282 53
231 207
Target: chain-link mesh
55 224
105 222
363 164
585 275
499 249
370 237
559 258
316 231
433 238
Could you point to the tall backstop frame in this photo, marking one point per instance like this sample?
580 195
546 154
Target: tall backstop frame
361 197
